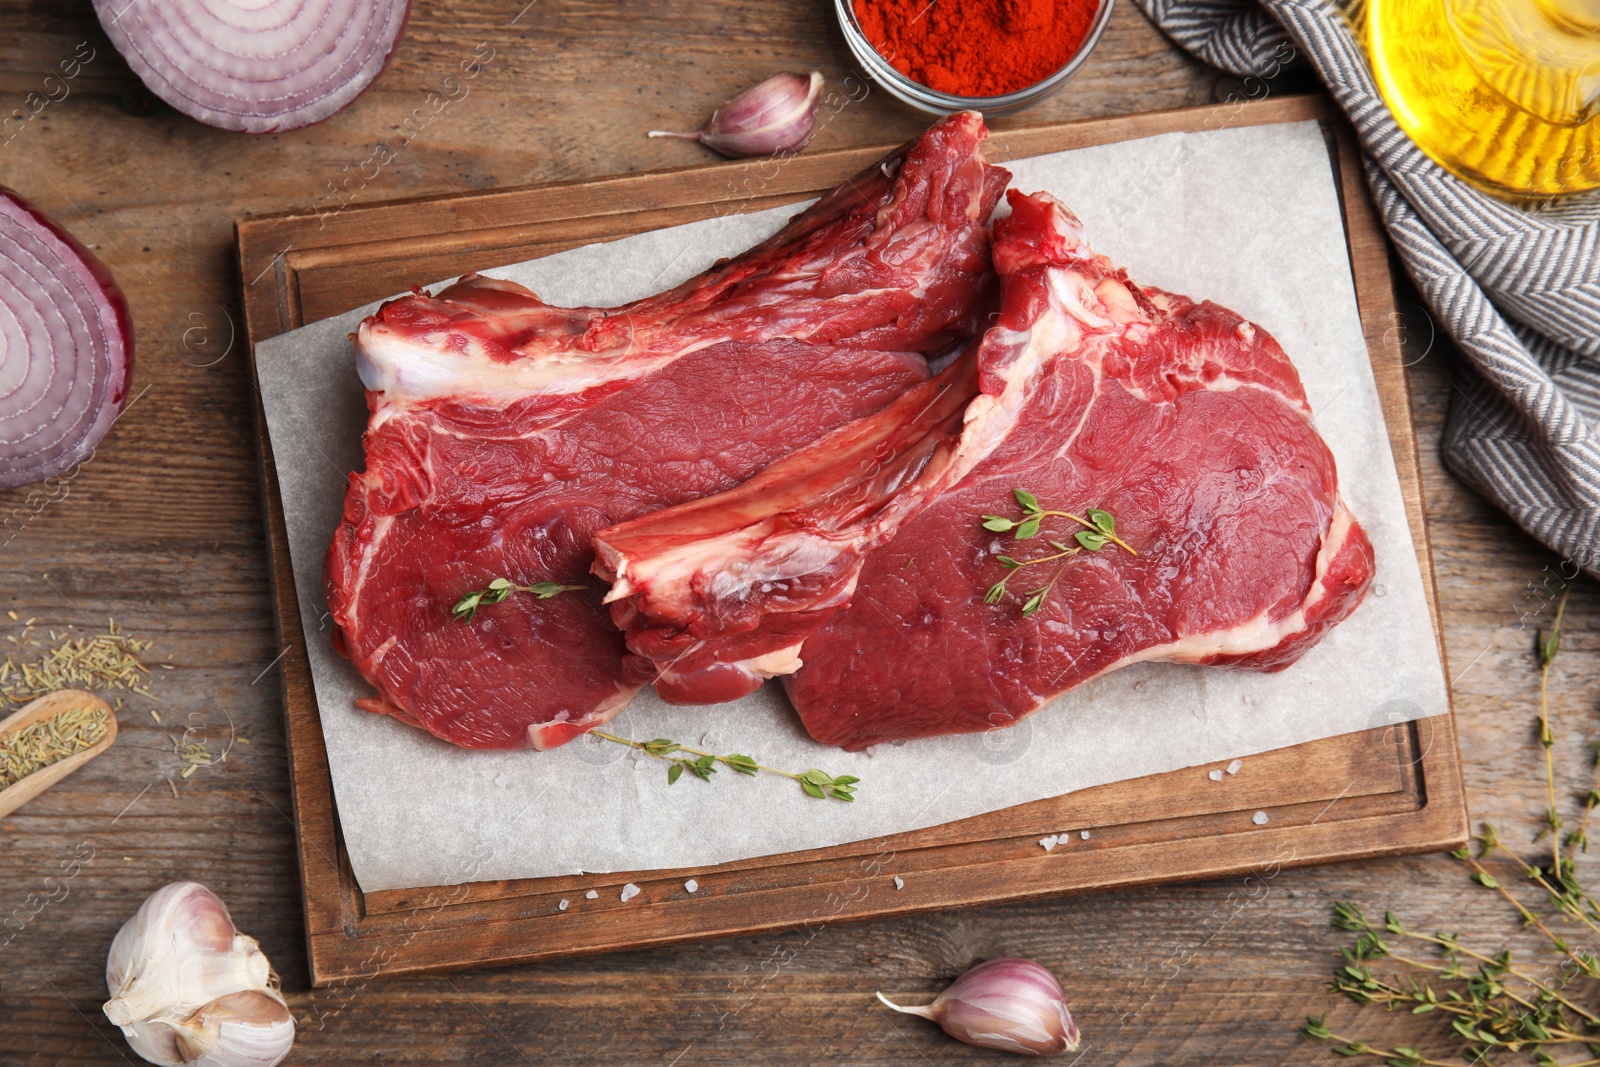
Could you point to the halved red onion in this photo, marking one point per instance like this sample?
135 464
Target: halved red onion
258 66
66 346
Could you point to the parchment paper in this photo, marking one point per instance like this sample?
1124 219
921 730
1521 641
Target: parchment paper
1246 217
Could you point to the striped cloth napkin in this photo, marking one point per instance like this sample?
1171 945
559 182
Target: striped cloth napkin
1517 288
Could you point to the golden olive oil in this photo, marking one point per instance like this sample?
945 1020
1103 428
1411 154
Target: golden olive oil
1503 93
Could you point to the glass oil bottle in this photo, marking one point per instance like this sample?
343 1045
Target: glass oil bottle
1503 93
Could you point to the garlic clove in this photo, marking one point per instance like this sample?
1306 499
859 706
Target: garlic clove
778 116
248 1029
1010 1004
188 988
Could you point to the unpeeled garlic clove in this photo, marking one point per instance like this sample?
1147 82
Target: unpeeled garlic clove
776 117
189 990
238 1030
1010 1004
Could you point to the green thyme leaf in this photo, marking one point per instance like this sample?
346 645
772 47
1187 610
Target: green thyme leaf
674 772
742 764
1098 530
500 588
467 607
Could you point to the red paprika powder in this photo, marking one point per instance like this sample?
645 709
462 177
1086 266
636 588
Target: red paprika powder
976 47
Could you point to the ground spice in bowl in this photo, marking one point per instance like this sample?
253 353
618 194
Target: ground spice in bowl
976 47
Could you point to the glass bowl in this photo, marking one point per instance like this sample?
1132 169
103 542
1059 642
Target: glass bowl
934 102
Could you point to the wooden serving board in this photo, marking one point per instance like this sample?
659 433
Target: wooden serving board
1393 789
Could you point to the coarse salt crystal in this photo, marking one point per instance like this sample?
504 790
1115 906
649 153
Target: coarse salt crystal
1215 776
593 894
1259 818
629 891
899 882
691 885
1048 843
1084 834
1233 768
561 906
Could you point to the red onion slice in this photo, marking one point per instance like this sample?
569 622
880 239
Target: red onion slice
257 66
66 346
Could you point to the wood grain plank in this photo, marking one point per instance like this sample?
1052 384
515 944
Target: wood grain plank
164 530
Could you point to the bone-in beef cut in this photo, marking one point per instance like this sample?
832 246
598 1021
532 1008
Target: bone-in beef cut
504 432
862 561
716 596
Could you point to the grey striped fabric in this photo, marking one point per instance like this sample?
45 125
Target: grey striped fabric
1517 288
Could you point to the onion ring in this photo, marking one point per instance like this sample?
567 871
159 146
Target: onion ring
66 346
255 66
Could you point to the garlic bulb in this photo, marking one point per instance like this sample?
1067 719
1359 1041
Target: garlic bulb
777 116
187 988
1011 1004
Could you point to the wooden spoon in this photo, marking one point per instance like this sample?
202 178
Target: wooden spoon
19 793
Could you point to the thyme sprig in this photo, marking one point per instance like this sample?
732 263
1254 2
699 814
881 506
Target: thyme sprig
1494 1007
1545 649
501 588
816 783
1099 530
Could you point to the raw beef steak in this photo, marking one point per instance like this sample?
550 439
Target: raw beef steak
867 580
504 432
716 596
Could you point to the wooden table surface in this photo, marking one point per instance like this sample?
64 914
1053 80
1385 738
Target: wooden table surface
163 531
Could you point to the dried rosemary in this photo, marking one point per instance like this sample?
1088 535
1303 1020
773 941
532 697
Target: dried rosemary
194 754
48 741
104 661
